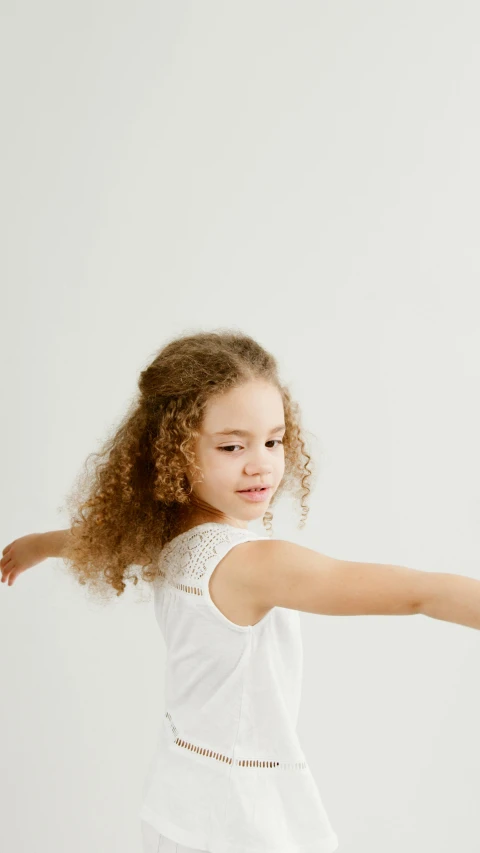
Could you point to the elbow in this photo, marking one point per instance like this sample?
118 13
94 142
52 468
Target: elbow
422 593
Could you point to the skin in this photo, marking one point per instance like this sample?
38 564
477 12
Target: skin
304 579
252 460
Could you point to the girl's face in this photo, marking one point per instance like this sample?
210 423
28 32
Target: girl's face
239 447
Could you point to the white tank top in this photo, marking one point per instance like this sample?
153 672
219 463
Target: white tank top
229 774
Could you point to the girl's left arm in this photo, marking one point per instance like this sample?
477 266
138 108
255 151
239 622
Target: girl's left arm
29 550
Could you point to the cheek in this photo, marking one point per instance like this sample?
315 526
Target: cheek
222 467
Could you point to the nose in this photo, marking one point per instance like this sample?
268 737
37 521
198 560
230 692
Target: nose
259 465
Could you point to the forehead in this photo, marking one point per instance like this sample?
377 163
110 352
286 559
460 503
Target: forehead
256 406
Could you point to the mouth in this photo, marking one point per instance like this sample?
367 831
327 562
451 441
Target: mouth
260 494
255 489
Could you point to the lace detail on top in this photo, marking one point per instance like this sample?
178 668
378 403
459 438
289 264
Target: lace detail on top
228 759
183 559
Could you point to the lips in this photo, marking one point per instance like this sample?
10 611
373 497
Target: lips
256 495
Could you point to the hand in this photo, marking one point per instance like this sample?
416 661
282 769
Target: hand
22 554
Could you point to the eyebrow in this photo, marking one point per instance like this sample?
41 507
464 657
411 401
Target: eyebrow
231 431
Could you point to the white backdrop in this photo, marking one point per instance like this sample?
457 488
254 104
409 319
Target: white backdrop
306 172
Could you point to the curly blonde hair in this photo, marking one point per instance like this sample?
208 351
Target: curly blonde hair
138 496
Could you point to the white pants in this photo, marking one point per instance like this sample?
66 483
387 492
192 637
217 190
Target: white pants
153 842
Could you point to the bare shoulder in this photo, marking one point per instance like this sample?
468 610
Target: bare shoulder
257 575
231 591
279 573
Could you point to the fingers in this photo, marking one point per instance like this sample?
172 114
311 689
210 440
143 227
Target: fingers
8 577
7 570
6 555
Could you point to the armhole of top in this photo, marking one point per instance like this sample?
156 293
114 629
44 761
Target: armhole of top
211 563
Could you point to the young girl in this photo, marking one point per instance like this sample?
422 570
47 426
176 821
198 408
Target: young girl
210 445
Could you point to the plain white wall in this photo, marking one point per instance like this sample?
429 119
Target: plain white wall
306 172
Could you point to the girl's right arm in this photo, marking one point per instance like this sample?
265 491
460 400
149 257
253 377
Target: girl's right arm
27 551
284 574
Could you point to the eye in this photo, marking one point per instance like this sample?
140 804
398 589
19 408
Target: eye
228 447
